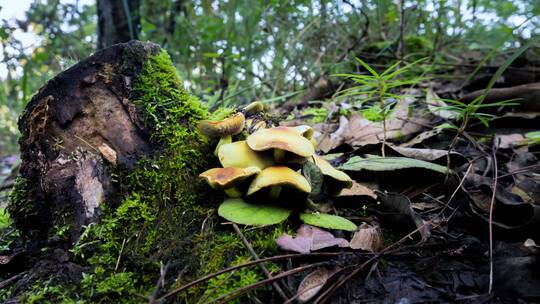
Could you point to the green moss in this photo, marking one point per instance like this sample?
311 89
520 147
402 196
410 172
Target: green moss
167 216
316 115
20 200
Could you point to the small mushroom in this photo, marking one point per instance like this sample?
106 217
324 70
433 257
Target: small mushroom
253 108
335 180
239 155
228 178
275 178
304 130
224 129
307 132
281 140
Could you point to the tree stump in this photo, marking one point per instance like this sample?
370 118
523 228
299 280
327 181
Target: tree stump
77 126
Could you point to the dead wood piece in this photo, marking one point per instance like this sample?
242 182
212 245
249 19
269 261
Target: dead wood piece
528 96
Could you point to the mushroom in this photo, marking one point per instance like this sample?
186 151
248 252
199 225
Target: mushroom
239 155
224 129
228 178
275 178
253 108
307 132
281 139
304 130
335 180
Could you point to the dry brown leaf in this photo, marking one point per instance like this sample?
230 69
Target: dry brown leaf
359 131
108 153
358 189
313 282
506 141
367 238
309 238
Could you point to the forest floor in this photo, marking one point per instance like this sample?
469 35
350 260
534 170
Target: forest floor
447 193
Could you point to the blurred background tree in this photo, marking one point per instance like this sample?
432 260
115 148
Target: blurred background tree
235 51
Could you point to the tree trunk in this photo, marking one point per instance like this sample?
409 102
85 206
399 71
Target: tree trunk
118 21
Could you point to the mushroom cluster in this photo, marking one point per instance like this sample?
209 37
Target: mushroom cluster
266 164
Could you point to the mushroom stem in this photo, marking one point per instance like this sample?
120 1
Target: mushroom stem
233 192
279 154
275 191
222 141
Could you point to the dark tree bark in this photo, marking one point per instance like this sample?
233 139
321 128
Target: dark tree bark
118 21
75 129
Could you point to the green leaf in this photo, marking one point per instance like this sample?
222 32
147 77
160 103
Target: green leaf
315 178
377 163
327 221
367 67
240 212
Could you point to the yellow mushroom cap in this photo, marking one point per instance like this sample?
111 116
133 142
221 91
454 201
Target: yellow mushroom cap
279 176
254 108
239 155
224 178
284 138
328 170
304 130
228 126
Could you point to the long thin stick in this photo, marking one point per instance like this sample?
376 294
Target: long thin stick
274 258
495 179
233 294
261 265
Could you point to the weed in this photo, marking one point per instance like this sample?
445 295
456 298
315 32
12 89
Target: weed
379 88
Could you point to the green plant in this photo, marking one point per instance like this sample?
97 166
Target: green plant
5 220
379 88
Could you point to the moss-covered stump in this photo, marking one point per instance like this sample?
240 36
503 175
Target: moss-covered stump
108 205
108 190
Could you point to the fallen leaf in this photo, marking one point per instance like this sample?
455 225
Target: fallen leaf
313 282
530 243
437 106
506 141
376 163
420 138
403 214
240 212
367 238
358 189
327 221
360 131
309 238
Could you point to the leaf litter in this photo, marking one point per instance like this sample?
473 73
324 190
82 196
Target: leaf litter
410 200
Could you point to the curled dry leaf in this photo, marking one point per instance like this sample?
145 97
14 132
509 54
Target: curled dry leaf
367 238
358 189
309 238
313 282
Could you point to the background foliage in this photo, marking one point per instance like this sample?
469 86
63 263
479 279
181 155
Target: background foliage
232 52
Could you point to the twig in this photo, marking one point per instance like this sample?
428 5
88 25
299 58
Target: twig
521 170
495 179
261 265
160 282
7 282
274 258
233 294
120 255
